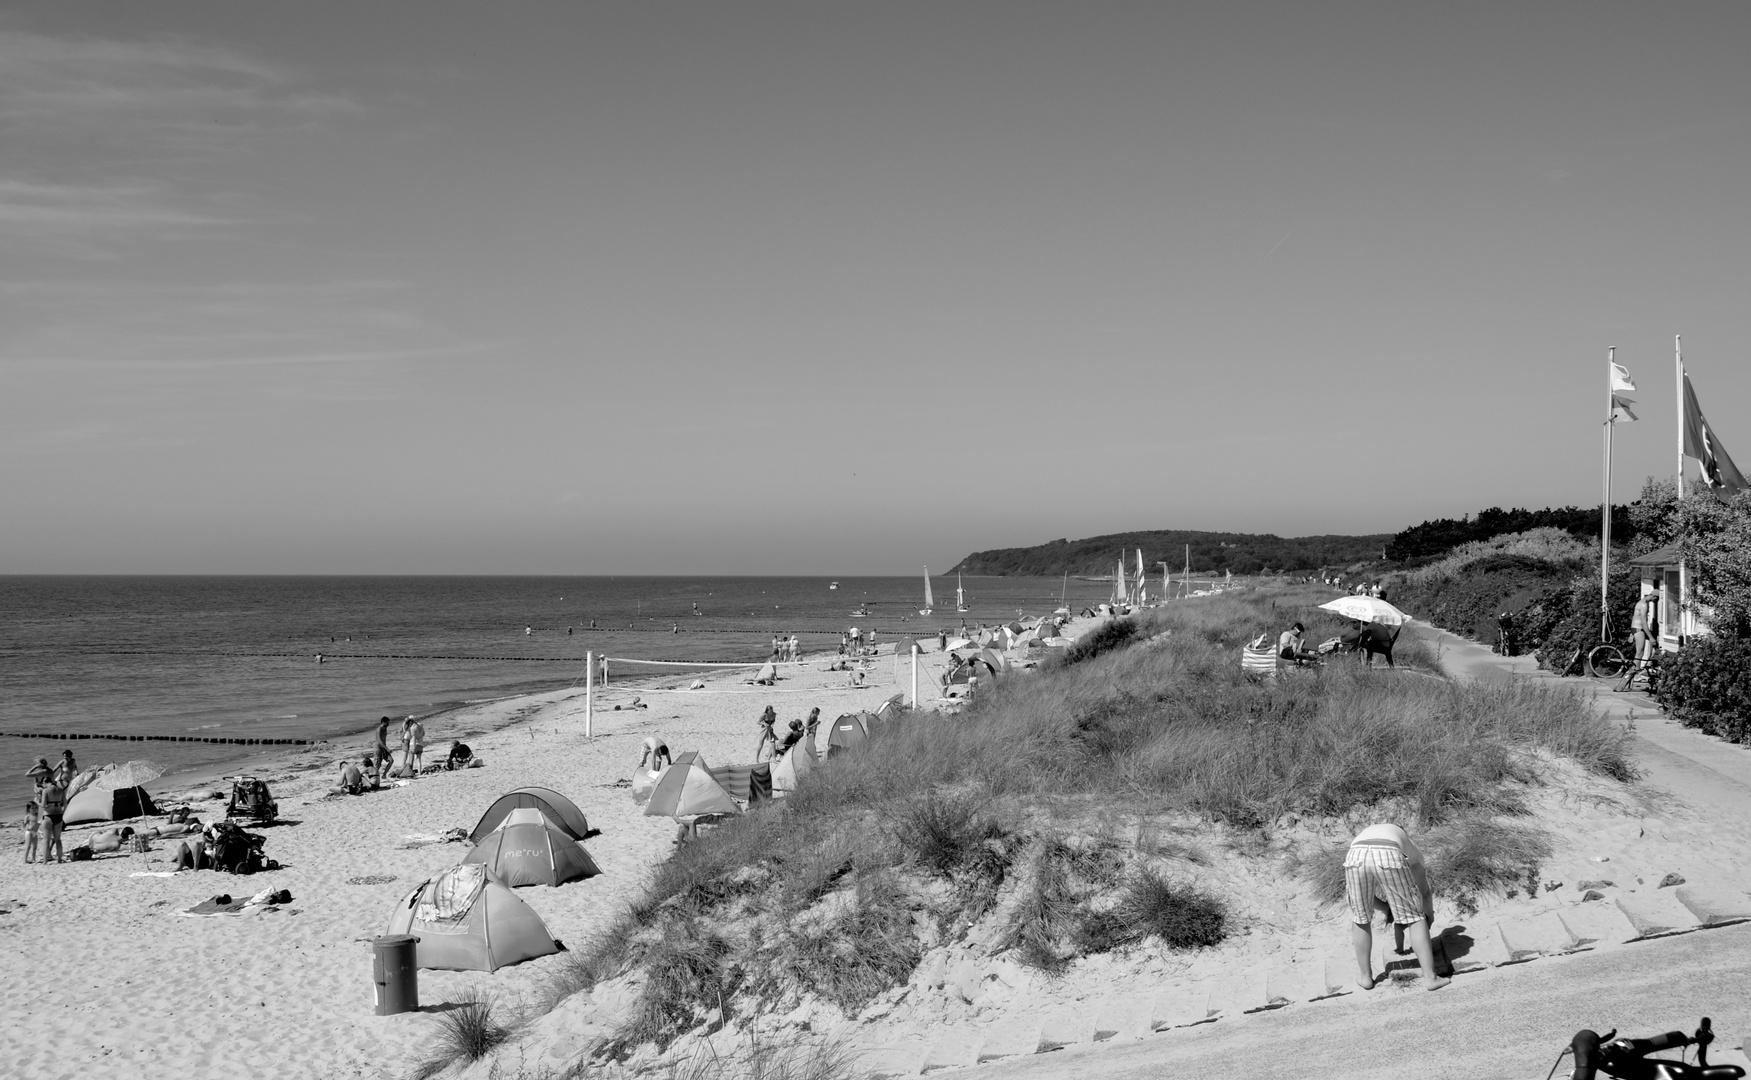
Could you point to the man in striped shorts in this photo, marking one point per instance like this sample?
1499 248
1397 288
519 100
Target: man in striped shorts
1384 872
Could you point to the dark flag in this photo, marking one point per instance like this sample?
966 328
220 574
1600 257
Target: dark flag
1700 442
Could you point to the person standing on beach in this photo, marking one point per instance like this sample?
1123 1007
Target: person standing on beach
381 758
767 748
413 746
1384 872
66 769
53 799
33 823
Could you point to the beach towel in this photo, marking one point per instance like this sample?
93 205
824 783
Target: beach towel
444 904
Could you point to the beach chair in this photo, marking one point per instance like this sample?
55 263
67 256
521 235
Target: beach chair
1259 660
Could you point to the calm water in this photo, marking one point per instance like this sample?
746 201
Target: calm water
235 657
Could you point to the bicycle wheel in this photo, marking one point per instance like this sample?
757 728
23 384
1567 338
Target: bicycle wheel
1606 662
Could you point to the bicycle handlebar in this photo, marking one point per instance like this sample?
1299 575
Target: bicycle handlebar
1594 1051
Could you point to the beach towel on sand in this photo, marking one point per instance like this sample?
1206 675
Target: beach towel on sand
450 896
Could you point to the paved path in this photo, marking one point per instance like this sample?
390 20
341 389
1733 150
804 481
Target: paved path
1704 769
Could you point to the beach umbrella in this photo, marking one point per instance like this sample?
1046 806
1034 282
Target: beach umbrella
1367 609
131 775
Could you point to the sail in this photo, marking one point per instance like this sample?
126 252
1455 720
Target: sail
1119 585
960 594
928 601
1141 580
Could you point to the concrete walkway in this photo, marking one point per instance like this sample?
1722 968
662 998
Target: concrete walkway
1705 770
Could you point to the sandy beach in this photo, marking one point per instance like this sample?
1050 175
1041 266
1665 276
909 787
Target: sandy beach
113 977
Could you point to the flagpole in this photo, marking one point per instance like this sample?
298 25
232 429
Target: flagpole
1605 516
1678 378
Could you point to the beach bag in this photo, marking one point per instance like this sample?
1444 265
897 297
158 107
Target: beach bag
80 854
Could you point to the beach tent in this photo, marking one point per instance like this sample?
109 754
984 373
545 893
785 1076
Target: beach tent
796 763
526 849
768 674
992 660
468 920
644 781
687 789
848 731
746 783
98 804
558 810
958 643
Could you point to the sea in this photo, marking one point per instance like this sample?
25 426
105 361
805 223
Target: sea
236 657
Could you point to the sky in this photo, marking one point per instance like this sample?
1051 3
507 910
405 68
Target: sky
840 288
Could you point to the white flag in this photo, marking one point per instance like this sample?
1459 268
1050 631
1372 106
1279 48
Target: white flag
1620 379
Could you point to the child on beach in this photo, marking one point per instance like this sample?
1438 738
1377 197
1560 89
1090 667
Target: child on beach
32 823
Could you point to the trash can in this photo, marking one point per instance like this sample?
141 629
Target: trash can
395 974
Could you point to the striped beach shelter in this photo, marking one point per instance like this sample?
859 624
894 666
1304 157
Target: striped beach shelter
688 789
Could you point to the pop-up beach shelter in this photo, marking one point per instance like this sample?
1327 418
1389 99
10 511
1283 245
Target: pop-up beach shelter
848 731
467 920
526 849
558 810
100 804
796 763
745 783
688 789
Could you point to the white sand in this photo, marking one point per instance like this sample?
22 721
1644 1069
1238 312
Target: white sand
107 975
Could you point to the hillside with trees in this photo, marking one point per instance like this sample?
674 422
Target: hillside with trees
1211 552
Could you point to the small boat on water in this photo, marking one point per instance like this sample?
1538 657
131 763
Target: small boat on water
863 610
833 585
928 602
960 595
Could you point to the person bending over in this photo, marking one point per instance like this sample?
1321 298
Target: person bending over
1384 871
352 780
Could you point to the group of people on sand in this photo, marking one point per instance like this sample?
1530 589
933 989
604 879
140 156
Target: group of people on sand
47 808
773 746
785 649
379 765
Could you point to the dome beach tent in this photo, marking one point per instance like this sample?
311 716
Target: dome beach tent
558 810
796 763
467 920
103 804
848 731
688 789
526 849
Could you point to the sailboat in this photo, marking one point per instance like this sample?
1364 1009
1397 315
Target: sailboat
960 595
928 602
1142 582
1119 585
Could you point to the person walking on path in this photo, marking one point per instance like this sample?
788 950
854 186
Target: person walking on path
1384 871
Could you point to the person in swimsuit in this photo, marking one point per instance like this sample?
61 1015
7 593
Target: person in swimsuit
352 781
52 797
66 769
767 748
382 758
1384 872
33 823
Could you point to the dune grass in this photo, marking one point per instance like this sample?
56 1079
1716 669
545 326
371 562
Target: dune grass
907 840
465 1033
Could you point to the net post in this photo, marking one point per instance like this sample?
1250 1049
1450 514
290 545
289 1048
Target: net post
589 692
914 674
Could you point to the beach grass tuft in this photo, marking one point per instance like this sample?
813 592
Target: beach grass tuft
465 1033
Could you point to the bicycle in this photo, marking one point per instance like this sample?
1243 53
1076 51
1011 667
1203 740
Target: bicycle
1628 1059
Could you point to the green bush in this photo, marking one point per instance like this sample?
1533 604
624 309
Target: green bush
1115 634
1578 628
1469 601
1707 685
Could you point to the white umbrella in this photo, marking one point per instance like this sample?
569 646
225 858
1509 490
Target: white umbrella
1367 609
132 774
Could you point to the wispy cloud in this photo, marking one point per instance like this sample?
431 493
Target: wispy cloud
161 87
47 210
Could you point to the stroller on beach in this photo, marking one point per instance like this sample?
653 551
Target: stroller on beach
251 799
